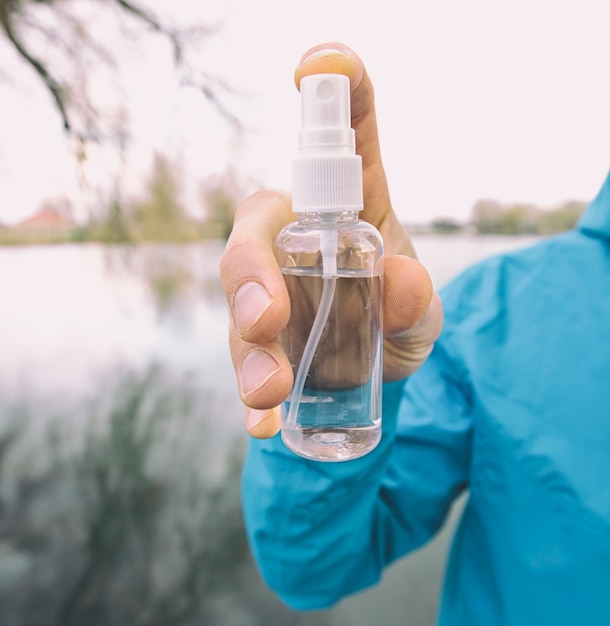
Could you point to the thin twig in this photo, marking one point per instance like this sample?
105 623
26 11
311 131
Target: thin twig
50 82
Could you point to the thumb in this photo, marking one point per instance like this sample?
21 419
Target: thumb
407 294
412 316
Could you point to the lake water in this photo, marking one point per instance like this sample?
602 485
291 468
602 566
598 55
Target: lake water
75 323
71 312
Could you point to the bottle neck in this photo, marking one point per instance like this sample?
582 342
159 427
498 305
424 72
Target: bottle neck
319 219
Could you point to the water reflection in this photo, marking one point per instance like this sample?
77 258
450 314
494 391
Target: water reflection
173 275
129 517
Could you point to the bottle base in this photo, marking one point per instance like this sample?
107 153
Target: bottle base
332 444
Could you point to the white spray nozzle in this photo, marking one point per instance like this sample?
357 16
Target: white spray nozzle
325 115
327 173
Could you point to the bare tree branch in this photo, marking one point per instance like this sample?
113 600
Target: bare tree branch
71 44
51 83
149 18
211 90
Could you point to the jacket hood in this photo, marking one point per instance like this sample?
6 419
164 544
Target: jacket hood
596 218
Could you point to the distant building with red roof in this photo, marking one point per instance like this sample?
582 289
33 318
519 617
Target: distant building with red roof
48 217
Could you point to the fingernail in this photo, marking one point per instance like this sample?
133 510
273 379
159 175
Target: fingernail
249 304
262 423
256 369
327 57
322 53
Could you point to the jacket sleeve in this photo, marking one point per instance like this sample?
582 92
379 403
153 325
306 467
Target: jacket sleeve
320 531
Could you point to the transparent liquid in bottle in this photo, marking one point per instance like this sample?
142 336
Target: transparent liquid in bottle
339 414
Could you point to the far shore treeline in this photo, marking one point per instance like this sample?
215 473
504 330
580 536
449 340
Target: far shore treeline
158 215
489 217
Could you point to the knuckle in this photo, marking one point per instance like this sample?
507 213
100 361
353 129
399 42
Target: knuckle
262 196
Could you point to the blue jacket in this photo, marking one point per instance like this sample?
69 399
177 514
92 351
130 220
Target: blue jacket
513 406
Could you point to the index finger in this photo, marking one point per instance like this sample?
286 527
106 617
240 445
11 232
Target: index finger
253 283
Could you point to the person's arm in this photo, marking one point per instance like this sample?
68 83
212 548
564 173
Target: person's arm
320 531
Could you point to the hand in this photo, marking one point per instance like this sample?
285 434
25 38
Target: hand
255 288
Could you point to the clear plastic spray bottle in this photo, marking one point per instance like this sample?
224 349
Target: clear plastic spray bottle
332 264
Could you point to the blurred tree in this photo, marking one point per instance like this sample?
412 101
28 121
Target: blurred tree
220 196
564 217
517 219
446 226
491 217
485 216
54 38
160 216
114 226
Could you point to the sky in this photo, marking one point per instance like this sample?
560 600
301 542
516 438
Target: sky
475 99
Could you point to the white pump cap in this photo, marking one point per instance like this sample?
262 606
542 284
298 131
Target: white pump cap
327 172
